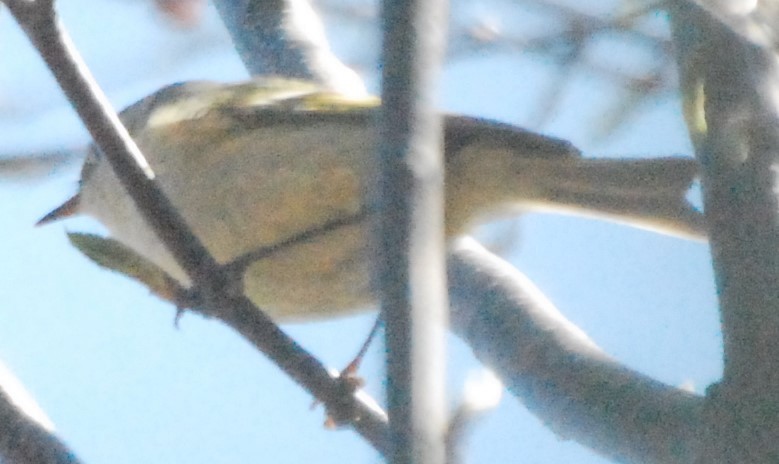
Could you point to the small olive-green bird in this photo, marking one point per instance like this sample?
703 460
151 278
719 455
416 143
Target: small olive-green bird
273 161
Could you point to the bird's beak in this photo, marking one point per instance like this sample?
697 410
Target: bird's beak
67 209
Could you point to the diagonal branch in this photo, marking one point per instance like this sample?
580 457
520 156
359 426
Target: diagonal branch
26 437
559 373
285 37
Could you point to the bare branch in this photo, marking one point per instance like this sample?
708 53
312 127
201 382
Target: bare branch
410 261
26 436
32 166
731 94
751 19
559 373
285 37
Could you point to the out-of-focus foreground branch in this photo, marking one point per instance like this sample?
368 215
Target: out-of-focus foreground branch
410 252
754 20
26 435
286 37
730 86
559 373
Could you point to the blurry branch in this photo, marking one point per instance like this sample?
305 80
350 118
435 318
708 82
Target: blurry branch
568 48
569 44
222 297
26 435
754 20
573 32
730 89
285 37
35 166
410 237
482 393
559 373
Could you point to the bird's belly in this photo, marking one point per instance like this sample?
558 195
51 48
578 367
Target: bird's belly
327 276
238 206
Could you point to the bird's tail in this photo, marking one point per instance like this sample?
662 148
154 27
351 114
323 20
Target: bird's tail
646 193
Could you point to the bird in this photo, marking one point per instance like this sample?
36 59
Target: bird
280 173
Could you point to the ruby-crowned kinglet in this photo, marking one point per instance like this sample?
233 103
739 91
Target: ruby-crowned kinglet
252 164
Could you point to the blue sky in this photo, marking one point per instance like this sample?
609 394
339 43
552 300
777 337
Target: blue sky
122 384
